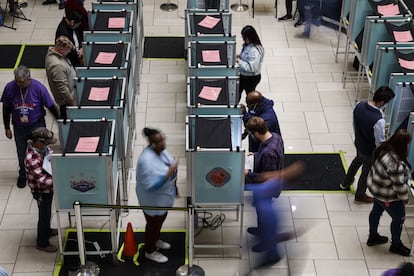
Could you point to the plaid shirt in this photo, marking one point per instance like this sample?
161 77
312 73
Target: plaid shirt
388 179
38 179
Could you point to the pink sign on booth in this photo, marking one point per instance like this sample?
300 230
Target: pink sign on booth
210 93
99 94
116 22
388 10
87 144
209 22
409 64
404 36
211 55
105 58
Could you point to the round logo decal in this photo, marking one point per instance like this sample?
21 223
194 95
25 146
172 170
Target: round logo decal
218 177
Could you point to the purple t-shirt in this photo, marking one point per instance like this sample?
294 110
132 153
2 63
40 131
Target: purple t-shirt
27 105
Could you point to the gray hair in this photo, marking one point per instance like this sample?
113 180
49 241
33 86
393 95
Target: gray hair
22 71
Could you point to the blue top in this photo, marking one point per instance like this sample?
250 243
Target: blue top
366 117
153 188
251 58
27 105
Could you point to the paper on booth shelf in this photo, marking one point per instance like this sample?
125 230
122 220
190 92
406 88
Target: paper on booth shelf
211 56
87 144
99 94
209 22
409 64
210 93
47 166
249 162
404 36
105 58
116 22
388 10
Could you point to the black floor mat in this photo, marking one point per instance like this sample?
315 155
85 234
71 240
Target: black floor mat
9 55
164 47
34 56
324 171
176 255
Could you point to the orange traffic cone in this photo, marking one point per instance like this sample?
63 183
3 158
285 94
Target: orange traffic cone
130 244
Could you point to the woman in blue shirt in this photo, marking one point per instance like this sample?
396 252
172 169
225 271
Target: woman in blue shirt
250 60
155 176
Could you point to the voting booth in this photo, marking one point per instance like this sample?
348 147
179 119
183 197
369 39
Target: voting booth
215 5
87 169
208 24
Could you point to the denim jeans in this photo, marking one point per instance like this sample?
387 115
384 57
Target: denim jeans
312 15
267 219
21 135
396 210
44 203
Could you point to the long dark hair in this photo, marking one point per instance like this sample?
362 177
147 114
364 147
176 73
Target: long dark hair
150 133
250 33
398 144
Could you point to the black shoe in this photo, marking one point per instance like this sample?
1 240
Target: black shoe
299 22
400 249
53 232
21 182
48 2
377 239
262 246
253 231
61 6
268 261
286 17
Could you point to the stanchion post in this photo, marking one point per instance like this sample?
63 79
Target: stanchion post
168 6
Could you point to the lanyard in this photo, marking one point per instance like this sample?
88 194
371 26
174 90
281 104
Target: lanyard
25 95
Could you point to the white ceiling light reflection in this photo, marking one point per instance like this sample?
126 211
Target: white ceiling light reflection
293 208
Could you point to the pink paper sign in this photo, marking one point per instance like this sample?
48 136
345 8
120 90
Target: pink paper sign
105 58
116 22
211 55
409 64
210 93
388 10
99 94
87 144
209 22
404 36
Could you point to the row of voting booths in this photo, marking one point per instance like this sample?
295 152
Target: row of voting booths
215 159
94 164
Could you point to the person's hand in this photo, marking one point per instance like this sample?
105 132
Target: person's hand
237 56
172 169
80 53
243 108
9 133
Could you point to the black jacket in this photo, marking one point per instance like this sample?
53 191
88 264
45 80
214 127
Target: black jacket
63 29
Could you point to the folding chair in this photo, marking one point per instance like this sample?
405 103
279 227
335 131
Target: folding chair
16 11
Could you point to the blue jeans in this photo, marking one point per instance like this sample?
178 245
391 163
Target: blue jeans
21 135
312 15
44 203
267 220
396 210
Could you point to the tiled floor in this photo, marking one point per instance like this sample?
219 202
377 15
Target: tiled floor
314 111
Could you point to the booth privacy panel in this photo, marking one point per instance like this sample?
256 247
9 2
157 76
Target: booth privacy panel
217 177
217 5
401 106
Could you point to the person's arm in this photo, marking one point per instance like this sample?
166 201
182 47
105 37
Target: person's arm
54 109
251 61
59 77
7 111
379 131
400 177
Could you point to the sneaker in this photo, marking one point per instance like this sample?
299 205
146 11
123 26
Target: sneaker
53 232
21 182
299 23
50 248
303 35
262 246
162 244
363 200
377 239
400 249
156 257
286 17
253 231
48 2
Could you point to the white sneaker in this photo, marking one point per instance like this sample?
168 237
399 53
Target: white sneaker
162 244
156 257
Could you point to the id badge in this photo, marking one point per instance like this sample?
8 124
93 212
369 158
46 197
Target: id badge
24 119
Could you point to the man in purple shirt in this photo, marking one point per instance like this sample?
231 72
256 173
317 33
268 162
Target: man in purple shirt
24 100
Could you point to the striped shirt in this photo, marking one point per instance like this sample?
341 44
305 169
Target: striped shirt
388 178
38 179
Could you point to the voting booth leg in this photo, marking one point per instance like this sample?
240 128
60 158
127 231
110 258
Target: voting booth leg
168 6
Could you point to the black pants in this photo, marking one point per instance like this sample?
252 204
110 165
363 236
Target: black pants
248 84
44 203
152 231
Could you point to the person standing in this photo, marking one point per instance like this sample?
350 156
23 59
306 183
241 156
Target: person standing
388 181
156 176
61 74
69 27
288 4
41 184
78 6
24 101
250 60
369 128
260 106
